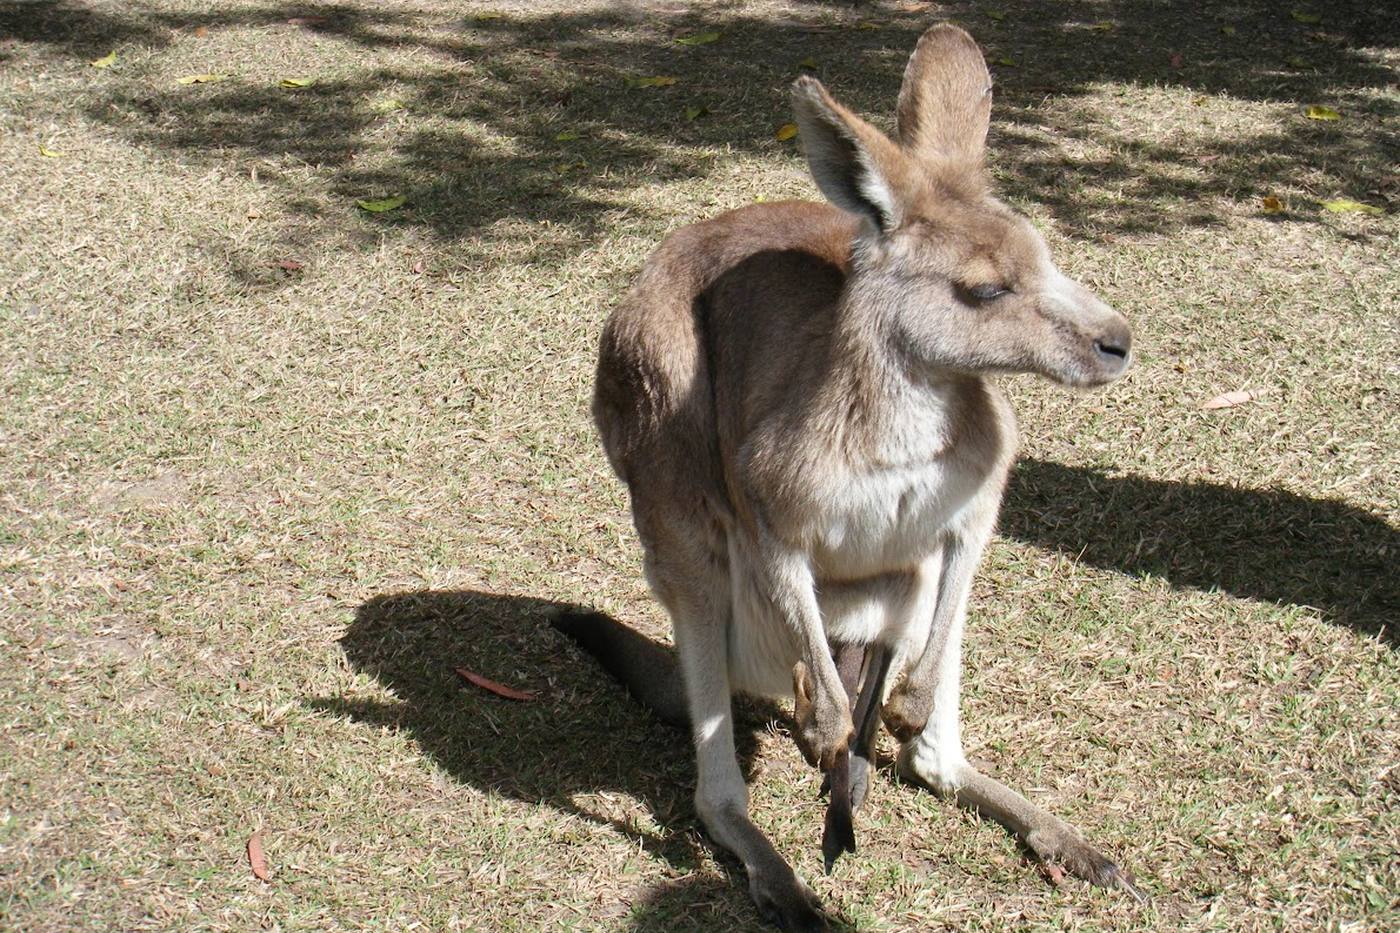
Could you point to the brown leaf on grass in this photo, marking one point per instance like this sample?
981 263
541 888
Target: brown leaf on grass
1176 60
106 61
1053 873
486 683
308 21
418 267
1272 204
786 131
201 31
288 265
1231 399
256 859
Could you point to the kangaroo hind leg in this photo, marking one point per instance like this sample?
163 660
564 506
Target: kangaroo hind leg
699 605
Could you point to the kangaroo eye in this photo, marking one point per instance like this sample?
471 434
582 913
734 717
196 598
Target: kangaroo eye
987 292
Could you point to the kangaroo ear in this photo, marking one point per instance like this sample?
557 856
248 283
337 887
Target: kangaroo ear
945 102
856 166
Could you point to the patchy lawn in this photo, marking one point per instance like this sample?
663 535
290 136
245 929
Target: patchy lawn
273 465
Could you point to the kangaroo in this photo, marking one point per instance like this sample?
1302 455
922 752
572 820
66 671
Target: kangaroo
798 399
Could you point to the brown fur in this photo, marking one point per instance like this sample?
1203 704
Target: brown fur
797 398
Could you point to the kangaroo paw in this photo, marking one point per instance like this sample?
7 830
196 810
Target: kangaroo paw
907 710
823 723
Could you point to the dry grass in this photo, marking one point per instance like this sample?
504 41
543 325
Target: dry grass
251 517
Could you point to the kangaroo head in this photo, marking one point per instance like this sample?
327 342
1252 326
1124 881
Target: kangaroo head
958 279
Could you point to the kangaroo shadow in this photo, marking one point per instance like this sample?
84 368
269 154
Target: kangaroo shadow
1257 543
576 747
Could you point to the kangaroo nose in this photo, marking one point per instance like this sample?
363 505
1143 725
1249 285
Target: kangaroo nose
1111 349
1114 344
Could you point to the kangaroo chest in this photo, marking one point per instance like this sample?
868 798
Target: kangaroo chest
890 519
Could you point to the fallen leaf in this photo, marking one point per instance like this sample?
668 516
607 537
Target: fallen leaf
387 105
1272 205
288 265
253 213
565 167
297 82
566 136
48 153
1347 205
1303 16
1007 62
996 15
383 204
308 21
1296 61
256 859
809 62
1175 60
1319 112
867 25
1231 399
201 79
106 61
1103 26
1228 30
486 683
1197 101
703 38
786 131
695 113
655 81
418 267
1053 873
201 31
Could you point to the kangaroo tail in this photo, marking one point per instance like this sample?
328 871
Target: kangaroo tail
647 669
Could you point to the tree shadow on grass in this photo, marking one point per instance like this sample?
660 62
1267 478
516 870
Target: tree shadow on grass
579 746
1257 544
526 77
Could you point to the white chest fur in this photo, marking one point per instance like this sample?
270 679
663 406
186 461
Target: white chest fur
890 519
888 514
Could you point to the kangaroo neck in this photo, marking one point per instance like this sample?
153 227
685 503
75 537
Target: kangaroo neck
878 407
